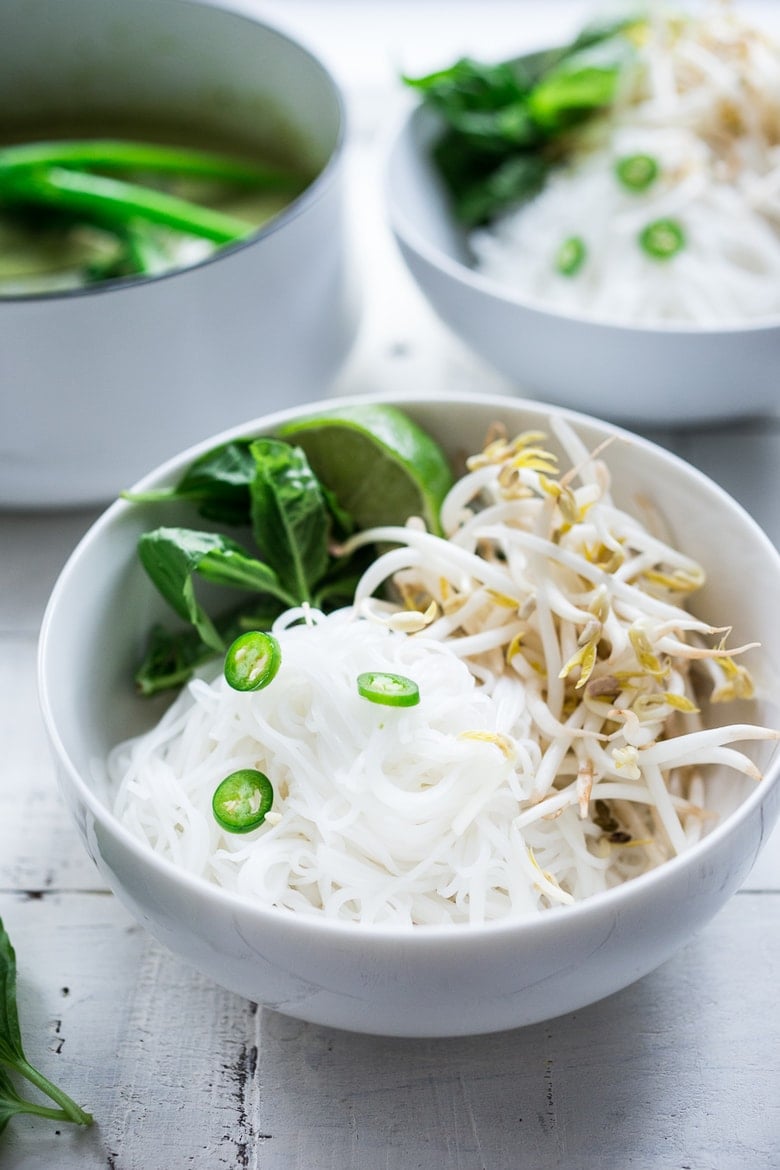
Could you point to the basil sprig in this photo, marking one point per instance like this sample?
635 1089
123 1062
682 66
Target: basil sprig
13 1060
290 556
506 125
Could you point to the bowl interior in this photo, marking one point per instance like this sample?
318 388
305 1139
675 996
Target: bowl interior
103 605
164 62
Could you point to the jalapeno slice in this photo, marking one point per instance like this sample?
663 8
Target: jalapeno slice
252 661
662 239
241 801
571 256
391 690
637 172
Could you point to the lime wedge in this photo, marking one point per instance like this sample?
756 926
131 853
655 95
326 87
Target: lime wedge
381 466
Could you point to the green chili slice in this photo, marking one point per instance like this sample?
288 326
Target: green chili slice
241 801
252 661
637 172
571 256
662 239
391 690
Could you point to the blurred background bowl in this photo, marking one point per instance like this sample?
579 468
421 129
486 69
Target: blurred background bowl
419 981
655 376
100 383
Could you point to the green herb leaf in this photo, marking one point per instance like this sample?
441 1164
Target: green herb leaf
10 1033
579 86
472 85
170 659
171 557
512 182
505 125
290 516
234 567
12 1055
217 481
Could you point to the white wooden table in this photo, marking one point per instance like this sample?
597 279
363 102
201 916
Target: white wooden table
679 1072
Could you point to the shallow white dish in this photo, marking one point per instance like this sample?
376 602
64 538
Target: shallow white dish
663 376
424 981
101 383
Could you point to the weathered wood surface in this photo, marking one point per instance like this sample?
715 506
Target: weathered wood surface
682 1070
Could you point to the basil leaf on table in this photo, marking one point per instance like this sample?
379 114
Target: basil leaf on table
14 1060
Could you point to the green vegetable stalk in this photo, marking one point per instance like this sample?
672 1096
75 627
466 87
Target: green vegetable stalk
14 1061
110 184
109 199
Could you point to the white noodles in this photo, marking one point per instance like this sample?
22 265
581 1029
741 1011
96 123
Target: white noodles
705 104
380 812
557 748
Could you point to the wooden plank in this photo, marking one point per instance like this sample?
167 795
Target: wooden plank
680 1069
39 846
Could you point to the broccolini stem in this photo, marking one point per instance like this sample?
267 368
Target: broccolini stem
108 154
115 200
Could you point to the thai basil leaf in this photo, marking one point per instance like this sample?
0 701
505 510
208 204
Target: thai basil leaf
581 84
514 180
10 1034
501 123
171 557
269 483
471 85
495 130
218 481
13 1058
233 566
170 659
290 516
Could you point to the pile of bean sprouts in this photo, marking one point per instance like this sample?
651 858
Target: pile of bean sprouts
704 104
558 748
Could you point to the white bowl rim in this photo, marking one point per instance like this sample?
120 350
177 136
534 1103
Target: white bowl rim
423 935
311 193
408 233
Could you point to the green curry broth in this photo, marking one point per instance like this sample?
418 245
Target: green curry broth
44 251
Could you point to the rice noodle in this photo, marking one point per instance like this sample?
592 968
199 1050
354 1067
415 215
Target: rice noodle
704 102
557 750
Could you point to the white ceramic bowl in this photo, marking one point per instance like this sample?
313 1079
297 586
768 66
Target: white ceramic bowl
425 981
665 376
102 383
